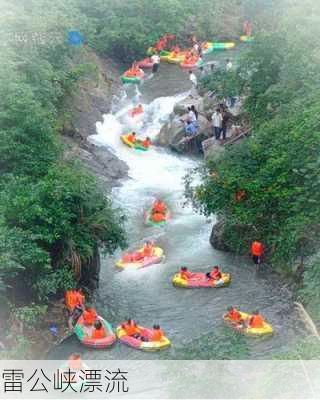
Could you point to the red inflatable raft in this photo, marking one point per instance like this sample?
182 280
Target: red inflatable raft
146 63
200 280
107 341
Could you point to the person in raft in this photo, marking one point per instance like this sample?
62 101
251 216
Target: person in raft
234 315
215 274
256 320
131 328
257 250
159 207
157 334
99 331
147 251
185 273
158 211
89 317
132 137
146 142
137 110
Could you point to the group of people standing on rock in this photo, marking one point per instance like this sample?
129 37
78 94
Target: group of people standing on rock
221 119
191 124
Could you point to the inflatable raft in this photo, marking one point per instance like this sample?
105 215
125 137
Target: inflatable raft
246 39
265 330
207 48
139 344
136 145
190 64
149 222
165 55
157 257
136 78
223 45
146 63
107 341
199 280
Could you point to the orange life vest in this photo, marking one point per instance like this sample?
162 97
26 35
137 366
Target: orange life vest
234 315
99 333
215 275
185 274
146 143
89 316
256 321
131 138
257 249
130 329
159 207
156 335
147 251
158 217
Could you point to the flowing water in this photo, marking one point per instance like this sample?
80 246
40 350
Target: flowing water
190 318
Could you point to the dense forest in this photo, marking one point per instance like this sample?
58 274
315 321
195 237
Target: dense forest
276 170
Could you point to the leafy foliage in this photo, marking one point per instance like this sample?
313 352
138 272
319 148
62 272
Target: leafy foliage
277 168
53 214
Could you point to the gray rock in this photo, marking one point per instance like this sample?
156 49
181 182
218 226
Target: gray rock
182 107
216 239
173 135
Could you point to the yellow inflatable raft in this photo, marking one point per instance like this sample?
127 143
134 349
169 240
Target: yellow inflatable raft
156 258
125 140
199 280
255 332
139 344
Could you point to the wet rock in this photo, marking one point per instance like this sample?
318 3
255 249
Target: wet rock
99 160
182 107
217 237
173 135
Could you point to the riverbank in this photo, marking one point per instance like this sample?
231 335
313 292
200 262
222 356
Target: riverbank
82 109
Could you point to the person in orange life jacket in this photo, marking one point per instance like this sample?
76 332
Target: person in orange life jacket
137 110
132 137
159 207
99 331
89 316
148 249
158 217
157 334
146 142
256 320
131 328
234 315
215 274
257 250
185 274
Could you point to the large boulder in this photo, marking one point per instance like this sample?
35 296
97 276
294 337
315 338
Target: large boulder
172 135
212 149
182 106
216 239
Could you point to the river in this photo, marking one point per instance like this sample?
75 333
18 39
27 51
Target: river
192 319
